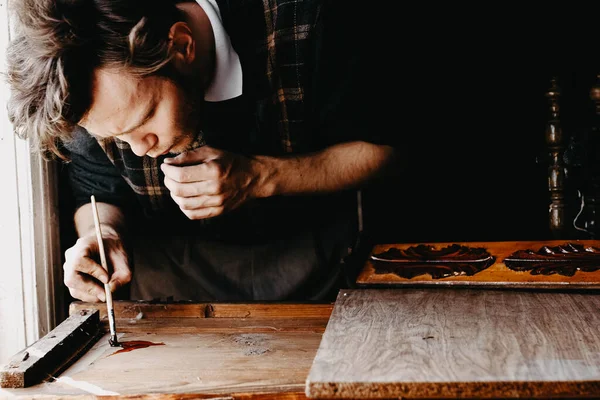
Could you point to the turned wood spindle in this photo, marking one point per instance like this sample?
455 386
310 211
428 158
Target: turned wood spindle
556 165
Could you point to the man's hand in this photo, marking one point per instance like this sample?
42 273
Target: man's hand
83 274
207 182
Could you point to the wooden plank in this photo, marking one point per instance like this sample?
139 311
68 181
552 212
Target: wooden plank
449 343
217 357
516 264
133 309
185 396
145 396
217 364
221 325
53 352
266 310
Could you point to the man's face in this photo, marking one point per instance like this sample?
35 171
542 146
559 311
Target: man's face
154 115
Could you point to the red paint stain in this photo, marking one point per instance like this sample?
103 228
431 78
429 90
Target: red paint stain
134 345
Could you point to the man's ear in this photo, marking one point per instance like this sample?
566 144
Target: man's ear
182 45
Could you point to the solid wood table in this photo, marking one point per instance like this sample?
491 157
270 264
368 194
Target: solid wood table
178 351
459 343
418 343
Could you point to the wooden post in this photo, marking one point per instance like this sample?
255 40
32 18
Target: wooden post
556 165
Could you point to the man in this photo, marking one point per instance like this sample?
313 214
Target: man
223 140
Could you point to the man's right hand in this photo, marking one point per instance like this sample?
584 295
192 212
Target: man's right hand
83 274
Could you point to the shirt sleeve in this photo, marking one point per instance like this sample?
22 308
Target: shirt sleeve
355 95
90 172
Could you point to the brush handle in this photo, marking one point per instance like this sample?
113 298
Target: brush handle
109 301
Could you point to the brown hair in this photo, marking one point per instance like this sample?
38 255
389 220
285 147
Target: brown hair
60 43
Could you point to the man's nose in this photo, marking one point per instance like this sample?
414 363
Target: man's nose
142 146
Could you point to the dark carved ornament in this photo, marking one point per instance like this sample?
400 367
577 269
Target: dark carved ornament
563 260
453 260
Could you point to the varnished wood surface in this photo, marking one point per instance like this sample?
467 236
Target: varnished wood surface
459 343
256 351
497 275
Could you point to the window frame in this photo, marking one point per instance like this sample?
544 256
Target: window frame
31 303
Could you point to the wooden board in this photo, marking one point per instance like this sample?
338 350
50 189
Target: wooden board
459 343
239 351
53 352
132 309
573 264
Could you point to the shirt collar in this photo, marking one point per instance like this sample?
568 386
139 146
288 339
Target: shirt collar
227 80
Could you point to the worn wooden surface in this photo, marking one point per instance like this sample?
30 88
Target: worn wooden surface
498 275
238 351
459 343
52 353
131 309
290 395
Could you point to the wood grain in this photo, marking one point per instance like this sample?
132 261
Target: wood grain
131 309
497 275
220 325
265 310
293 395
263 355
449 343
205 362
52 353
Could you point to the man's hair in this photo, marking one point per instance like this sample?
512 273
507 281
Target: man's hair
59 44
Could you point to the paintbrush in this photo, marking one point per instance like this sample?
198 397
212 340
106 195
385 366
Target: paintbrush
113 341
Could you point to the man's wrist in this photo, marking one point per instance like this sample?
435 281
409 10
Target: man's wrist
268 173
108 231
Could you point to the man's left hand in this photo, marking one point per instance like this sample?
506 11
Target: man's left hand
207 182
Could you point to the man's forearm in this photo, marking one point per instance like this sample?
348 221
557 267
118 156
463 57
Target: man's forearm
111 220
340 167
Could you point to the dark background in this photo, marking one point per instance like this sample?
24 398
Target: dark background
462 94
472 155
472 149
476 169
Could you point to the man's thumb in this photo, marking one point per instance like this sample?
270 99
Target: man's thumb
121 273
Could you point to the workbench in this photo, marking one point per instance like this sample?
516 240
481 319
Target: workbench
210 350
431 339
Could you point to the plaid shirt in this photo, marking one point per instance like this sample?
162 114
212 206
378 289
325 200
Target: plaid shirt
295 93
279 47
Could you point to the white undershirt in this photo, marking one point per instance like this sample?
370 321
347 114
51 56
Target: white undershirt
227 81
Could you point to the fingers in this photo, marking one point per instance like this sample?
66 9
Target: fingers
121 273
192 189
85 277
193 203
203 213
77 260
197 200
90 267
191 173
83 287
200 155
